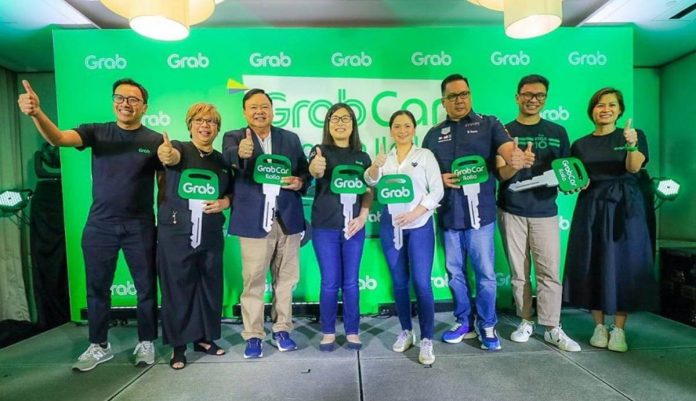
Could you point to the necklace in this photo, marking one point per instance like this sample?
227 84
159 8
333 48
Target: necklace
202 153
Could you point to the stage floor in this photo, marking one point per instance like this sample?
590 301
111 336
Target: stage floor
660 365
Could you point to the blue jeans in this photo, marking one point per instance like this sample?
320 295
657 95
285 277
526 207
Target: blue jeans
339 263
414 257
479 246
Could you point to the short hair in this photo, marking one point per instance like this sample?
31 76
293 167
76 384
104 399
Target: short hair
128 81
198 109
252 92
354 141
533 79
452 78
598 95
402 113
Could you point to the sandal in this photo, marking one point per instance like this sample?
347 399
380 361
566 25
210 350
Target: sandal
213 349
178 357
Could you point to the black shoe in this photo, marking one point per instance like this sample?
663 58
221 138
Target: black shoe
212 349
178 356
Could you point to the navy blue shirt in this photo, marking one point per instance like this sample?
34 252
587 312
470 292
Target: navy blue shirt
550 142
123 170
327 211
474 134
601 158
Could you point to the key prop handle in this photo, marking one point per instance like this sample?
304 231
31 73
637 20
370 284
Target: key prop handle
271 169
570 173
395 188
348 179
199 184
470 169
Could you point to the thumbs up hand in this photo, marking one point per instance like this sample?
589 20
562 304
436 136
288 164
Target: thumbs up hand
381 157
246 146
517 158
318 165
630 134
528 156
166 152
29 103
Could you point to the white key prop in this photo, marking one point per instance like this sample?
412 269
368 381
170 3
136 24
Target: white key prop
347 182
198 186
269 171
396 191
568 173
472 171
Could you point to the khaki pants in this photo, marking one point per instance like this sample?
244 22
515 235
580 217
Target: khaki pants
536 239
281 253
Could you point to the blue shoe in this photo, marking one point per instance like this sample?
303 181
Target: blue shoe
254 348
489 338
457 333
283 341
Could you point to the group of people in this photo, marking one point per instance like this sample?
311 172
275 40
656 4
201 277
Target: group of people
608 263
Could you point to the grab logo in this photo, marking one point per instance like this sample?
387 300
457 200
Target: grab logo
157 120
177 61
375 217
555 114
577 58
117 62
123 289
521 58
563 223
368 283
338 59
275 61
439 282
420 59
503 279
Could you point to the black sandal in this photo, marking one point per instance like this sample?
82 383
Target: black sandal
213 349
178 356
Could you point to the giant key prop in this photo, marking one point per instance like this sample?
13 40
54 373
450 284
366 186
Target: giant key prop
347 182
396 191
568 173
269 171
198 186
472 171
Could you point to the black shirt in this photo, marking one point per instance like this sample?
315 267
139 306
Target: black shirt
123 170
327 211
601 158
550 142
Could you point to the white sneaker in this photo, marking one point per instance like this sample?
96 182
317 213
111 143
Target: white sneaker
560 339
404 341
93 356
523 332
600 337
426 356
617 340
144 353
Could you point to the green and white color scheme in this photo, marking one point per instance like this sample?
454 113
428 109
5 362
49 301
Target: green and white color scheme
375 70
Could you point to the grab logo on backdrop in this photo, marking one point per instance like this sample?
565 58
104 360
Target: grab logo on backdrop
176 61
592 59
559 114
439 281
420 59
368 283
280 60
339 59
123 289
514 59
92 62
160 119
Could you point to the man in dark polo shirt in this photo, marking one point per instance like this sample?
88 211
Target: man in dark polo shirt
529 219
124 160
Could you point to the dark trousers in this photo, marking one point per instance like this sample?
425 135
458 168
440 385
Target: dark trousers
100 245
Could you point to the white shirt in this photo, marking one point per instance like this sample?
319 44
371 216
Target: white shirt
266 144
419 164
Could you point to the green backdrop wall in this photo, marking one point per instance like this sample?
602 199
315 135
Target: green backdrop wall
376 70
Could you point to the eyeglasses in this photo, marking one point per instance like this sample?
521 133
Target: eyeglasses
461 95
131 100
343 119
200 121
541 96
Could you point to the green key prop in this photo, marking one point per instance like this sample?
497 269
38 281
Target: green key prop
271 169
348 179
199 184
570 173
470 169
395 188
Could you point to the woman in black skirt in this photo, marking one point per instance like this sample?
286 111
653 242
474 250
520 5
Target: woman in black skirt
189 256
609 265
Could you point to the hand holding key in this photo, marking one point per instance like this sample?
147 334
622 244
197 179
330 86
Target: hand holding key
450 180
528 156
246 146
318 165
28 102
630 134
165 151
292 183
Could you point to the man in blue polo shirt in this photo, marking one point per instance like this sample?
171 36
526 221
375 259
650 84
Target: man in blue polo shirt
124 161
279 247
465 133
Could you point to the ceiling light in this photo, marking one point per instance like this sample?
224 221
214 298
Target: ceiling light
531 18
496 5
162 19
